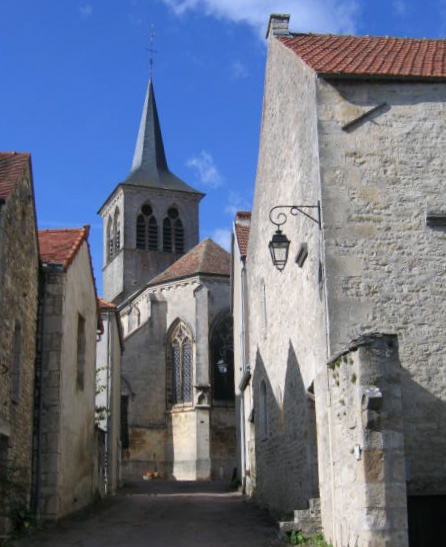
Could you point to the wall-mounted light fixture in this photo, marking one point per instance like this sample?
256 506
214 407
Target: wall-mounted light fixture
280 244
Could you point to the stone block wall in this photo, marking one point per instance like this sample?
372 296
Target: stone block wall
287 340
68 449
18 305
384 265
367 452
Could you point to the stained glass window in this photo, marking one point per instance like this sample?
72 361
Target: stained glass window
179 361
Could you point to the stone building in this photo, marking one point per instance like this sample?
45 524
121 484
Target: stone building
173 297
19 263
347 341
242 369
69 323
109 349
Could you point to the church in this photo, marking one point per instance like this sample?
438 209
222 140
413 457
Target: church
173 296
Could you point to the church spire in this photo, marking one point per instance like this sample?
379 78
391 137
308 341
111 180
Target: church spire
149 150
149 167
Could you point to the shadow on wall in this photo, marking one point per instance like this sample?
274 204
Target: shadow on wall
286 444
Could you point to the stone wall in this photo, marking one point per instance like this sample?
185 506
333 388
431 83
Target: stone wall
384 265
172 440
367 444
286 309
68 442
132 268
18 305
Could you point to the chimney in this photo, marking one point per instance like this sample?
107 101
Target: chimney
278 25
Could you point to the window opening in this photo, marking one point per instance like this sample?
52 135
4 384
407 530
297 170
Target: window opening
222 359
80 352
263 411
146 229
124 421
179 361
167 235
117 230
110 244
173 232
16 363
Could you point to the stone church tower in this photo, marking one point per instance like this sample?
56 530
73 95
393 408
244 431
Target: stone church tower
151 210
173 296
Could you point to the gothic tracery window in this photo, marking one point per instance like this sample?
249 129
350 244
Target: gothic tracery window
179 366
146 229
173 232
222 359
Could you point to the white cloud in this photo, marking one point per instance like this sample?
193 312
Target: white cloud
400 7
336 16
238 70
222 237
205 168
236 203
86 11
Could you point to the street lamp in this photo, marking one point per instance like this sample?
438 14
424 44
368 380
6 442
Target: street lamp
280 244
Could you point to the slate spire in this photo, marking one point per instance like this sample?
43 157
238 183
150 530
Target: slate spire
149 167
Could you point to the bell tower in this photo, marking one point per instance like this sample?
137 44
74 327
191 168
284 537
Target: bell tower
150 219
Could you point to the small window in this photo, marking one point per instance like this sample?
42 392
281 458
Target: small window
263 411
117 231
110 242
80 352
124 421
16 363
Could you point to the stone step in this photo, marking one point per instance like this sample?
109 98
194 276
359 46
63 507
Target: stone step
307 521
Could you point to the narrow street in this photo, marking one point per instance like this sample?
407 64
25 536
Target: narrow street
161 513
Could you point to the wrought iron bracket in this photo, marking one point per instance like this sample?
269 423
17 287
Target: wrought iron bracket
279 218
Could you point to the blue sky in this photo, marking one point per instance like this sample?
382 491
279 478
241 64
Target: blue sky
74 75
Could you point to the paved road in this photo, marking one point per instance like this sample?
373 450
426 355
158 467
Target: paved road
162 514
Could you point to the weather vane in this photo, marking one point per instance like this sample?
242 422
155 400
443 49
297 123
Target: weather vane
150 49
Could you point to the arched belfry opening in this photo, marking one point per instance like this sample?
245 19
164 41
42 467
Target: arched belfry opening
146 229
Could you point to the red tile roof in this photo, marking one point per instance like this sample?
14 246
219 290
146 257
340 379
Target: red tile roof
368 56
205 258
105 304
12 166
60 246
242 228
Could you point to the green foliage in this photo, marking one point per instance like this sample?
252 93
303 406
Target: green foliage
312 540
13 499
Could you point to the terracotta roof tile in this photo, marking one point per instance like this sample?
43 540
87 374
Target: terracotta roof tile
205 258
370 56
12 165
242 229
60 246
105 304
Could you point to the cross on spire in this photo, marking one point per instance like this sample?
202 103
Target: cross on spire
150 49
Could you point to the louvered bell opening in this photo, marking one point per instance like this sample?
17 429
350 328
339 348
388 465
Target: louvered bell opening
179 237
167 236
140 232
153 234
